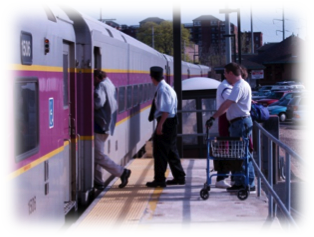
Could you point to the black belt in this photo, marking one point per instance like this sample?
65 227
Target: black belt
238 118
174 118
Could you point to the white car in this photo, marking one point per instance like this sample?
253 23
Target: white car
302 116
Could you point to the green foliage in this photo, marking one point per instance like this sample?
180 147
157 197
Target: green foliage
160 37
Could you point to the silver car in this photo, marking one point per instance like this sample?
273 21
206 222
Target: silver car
302 116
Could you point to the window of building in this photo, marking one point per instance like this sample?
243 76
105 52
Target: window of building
26 118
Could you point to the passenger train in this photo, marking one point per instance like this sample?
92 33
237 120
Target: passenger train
55 52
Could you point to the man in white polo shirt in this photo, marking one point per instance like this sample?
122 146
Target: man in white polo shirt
237 107
164 110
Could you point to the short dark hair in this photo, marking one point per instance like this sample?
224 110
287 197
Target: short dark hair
100 74
234 68
157 73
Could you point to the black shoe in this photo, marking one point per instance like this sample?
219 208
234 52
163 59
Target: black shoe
235 188
125 178
155 184
99 186
176 182
252 189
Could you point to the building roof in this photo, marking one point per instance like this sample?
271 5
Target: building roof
206 18
287 51
152 19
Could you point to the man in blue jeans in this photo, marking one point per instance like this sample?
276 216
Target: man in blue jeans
237 108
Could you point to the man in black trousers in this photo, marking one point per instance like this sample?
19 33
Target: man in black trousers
164 109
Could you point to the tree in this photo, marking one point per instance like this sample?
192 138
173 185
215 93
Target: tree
246 42
160 37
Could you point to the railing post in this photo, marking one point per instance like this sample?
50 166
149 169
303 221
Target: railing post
270 178
259 159
288 188
272 126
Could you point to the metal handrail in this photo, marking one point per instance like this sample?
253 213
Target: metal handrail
272 195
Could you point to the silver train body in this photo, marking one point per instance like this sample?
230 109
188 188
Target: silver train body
55 52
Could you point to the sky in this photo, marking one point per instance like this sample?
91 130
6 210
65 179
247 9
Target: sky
267 16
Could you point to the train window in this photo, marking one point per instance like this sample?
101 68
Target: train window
129 97
140 94
151 91
26 118
145 93
135 95
121 99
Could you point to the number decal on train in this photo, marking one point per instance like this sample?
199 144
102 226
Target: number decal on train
26 48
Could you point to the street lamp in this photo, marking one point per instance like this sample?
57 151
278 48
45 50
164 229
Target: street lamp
234 45
228 11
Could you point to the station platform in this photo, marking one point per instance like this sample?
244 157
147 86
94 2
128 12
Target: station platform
179 207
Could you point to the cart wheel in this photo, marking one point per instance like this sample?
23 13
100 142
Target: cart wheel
204 194
243 194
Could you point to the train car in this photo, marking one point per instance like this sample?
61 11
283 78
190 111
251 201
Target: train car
44 119
52 169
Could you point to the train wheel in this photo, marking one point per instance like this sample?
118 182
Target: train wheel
204 194
243 194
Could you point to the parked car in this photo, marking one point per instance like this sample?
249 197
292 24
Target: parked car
279 108
297 103
295 80
299 116
273 97
265 88
256 95
288 87
286 98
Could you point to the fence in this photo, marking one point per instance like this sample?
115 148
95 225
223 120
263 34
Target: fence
273 198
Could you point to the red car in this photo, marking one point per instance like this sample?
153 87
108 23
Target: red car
273 97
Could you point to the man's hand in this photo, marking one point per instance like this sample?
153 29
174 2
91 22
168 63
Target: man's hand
159 129
210 122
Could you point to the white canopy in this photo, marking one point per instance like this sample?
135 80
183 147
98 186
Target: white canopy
199 83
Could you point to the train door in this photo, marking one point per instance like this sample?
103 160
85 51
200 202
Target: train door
66 124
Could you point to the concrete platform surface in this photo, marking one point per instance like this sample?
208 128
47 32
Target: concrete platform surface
176 208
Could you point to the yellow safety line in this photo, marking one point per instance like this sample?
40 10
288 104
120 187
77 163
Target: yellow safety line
127 206
153 202
37 162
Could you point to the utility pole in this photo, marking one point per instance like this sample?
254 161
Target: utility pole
239 28
228 40
283 24
252 34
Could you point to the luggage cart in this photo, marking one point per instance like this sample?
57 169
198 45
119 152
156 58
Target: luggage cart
227 148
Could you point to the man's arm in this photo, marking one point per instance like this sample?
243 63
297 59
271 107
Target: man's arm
163 118
223 108
99 97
